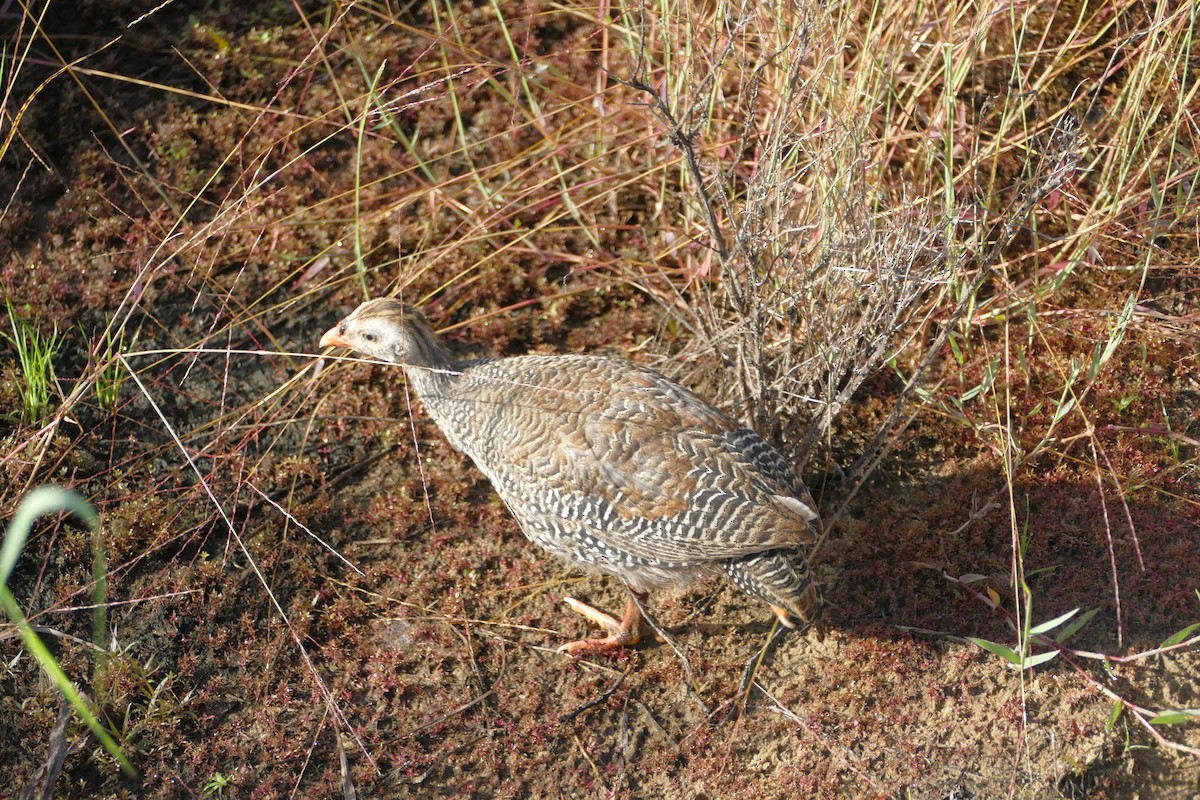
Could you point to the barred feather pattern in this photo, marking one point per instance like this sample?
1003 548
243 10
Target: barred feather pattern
782 578
611 466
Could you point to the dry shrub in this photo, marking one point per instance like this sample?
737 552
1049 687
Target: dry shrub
811 261
819 269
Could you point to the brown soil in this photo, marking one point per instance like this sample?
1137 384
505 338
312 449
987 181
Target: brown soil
311 590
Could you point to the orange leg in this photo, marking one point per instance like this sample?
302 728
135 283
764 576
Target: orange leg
621 633
784 616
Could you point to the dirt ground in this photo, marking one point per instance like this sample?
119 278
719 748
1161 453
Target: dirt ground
311 591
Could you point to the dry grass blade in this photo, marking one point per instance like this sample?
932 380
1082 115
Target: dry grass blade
941 254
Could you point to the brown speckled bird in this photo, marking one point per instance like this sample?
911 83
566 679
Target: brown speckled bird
611 467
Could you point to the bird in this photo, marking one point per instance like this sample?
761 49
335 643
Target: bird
612 467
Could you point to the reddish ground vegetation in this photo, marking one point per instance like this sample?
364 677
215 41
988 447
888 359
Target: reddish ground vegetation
310 589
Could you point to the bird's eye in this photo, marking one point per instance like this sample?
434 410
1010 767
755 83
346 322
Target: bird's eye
370 337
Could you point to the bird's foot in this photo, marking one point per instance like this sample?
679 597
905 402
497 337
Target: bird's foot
621 633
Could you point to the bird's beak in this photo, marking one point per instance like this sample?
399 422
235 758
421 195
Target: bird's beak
334 339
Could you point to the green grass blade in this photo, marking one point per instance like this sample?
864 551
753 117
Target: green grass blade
1179 636
1076 626
1039 659
1007 653
1176 717
42 501
1054 623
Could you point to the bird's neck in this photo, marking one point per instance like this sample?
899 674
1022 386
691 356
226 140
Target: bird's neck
431 368
433 381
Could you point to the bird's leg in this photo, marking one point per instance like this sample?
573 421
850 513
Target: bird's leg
626 631
784 616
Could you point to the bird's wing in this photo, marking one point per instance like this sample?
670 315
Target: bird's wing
658 473
683 509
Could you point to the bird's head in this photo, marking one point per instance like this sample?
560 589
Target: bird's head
389 330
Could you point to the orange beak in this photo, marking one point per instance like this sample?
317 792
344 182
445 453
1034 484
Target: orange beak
334 339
